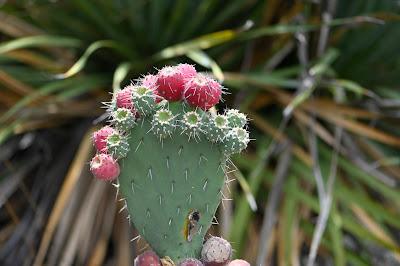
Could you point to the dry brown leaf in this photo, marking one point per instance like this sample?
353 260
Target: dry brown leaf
17 86
73 174
374 228
270 130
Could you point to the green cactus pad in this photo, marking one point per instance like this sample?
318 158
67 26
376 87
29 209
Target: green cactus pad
172 157
172 190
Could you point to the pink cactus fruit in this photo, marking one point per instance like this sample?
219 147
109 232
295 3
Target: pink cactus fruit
124 98
105 167
149 81
216 252
239 263
100 138
148 258
190 262
187 70
202 91
170 83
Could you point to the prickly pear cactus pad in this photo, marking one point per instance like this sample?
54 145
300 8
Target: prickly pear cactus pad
170 152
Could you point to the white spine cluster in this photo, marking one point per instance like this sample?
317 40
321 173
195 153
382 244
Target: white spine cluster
236 140
163 123
124 119
226 130
117 145
236 118
216 128
143 99
191 125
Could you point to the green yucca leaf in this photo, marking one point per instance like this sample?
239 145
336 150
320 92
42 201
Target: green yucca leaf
39 41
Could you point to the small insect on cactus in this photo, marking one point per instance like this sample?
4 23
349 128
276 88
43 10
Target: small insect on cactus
171 154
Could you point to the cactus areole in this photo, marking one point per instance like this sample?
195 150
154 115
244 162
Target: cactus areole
172 156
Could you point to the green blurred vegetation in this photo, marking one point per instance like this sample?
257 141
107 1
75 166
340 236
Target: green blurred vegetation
319 79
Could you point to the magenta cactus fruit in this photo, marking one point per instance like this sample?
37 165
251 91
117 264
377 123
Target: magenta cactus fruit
190 262
202 91
124 98
239 263
104 167
149 81
187 71
216 251
100 138
170 83
148 258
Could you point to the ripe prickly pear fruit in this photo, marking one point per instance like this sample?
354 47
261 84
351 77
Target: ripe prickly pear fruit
148 258
173 158
100 138
202 91
239 263
124 98
188 71
216 252
190 262
104 167
149 81
170 83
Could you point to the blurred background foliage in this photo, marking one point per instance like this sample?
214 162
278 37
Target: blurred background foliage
319 79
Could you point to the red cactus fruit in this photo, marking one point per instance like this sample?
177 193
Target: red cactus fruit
124 98
216 252
148 258
149 81
100 138
170 83
239 263
188 71
202 91
104 167
190 262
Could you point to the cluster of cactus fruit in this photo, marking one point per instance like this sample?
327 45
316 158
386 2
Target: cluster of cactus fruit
216 252
167 149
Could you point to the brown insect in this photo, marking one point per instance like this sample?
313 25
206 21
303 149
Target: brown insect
191 225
